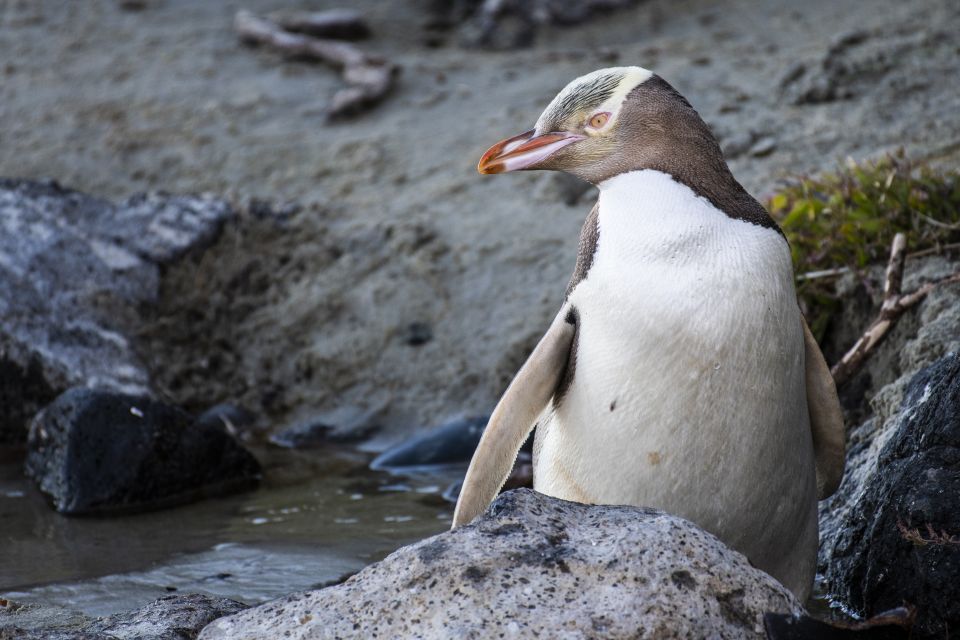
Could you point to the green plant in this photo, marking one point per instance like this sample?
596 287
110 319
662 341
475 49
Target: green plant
846 221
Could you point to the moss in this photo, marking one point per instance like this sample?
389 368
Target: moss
848 219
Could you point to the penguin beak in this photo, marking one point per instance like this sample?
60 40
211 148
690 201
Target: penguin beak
524 151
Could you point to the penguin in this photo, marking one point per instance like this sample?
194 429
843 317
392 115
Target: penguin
679 372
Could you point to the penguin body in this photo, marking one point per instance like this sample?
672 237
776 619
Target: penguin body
679 372
688 382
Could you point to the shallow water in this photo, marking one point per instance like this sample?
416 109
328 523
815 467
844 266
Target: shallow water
316 517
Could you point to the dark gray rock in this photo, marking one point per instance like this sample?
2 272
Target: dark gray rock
74 273
169 618
893 536
97 452
537 566
452 443
341 425
33 622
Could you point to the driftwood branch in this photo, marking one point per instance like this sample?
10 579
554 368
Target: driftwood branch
894 305
369 77
338 24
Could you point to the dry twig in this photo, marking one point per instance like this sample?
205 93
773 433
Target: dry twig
370 77
338 24
894 305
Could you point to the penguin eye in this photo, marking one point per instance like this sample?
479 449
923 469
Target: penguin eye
597 120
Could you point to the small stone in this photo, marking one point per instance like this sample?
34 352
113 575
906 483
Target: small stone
416 334
763 147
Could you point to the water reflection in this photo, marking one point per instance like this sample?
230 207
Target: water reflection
317 516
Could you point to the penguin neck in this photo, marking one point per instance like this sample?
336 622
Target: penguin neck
647 215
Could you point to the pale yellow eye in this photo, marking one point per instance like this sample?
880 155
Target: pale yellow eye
598 120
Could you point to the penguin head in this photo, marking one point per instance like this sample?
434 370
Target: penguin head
605 123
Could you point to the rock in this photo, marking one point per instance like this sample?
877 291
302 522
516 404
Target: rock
452 443
537 565
417 334
74 273
33 622
96 452
763 147
892 534
169 618
344 424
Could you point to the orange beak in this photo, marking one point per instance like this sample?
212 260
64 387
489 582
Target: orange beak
524 151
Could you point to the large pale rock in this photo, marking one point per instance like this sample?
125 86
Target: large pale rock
535 566
74 273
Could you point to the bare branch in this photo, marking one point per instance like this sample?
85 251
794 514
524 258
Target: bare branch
338 24
893 280
370 77
894 305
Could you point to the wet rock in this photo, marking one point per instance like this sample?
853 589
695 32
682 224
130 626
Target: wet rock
96 452
74 273
452 443
892 534
169 618
534 563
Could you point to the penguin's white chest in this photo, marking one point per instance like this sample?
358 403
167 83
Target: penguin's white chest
688 389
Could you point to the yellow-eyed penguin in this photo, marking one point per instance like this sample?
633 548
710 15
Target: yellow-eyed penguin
679 372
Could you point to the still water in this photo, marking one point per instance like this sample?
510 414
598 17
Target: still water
316 517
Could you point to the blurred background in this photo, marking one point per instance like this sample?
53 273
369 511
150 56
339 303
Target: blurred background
342 280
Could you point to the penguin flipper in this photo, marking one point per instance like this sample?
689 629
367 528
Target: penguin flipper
513 419
826 418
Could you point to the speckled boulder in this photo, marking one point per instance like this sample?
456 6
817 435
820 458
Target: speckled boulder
535 566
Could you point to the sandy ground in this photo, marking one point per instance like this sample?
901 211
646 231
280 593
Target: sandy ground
397 239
